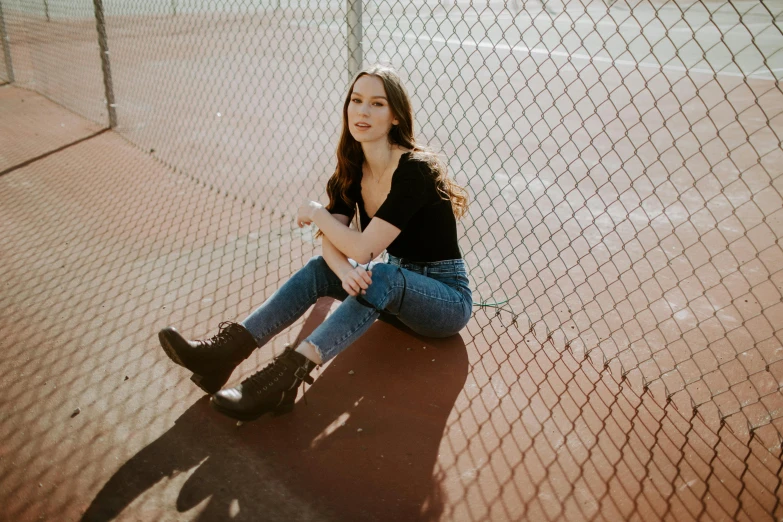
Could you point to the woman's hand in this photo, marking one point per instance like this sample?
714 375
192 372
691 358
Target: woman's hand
356 280
304 216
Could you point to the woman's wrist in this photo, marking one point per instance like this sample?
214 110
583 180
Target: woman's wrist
317 208
336 260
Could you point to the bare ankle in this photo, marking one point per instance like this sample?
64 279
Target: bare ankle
310 351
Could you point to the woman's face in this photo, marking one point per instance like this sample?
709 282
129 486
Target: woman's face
369 115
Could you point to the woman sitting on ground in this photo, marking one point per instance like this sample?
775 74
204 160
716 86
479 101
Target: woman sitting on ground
406 205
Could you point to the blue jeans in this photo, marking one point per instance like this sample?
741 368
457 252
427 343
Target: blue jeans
432 299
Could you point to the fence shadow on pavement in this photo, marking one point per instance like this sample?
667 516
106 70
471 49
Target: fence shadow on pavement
365 444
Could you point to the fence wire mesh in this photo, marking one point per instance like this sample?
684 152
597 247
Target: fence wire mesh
624 237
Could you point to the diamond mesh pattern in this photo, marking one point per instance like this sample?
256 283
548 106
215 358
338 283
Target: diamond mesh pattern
623 160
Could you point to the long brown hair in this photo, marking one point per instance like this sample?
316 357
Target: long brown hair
350 155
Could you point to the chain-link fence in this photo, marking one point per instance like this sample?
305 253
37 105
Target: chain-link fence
624 164
6 66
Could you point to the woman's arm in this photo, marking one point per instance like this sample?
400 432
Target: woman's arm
355 280
336 260
411 189
362 247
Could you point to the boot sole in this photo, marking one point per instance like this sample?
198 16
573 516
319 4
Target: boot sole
210 383
251 416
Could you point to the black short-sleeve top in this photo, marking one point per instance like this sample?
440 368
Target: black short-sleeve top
414 205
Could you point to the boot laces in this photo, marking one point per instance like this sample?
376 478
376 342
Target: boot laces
223 336
265 376
273 371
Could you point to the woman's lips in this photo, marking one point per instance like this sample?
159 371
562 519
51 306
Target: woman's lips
362 126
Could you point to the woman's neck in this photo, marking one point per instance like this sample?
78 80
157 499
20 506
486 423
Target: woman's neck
379 157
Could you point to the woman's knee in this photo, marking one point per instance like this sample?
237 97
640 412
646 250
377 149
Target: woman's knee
315 271
316 260
384 278
317 264
384 272
326 281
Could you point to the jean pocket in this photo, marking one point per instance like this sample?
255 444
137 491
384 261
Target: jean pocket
456 281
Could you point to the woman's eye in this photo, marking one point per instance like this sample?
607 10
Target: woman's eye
355 100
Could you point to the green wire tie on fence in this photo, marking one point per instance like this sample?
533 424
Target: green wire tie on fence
491 305
498 306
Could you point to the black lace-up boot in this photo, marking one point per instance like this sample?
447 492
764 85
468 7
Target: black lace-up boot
273 389
212 360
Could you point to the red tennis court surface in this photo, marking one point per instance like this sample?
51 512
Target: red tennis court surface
102 245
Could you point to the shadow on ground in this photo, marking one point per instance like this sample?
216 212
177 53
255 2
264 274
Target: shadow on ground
364 447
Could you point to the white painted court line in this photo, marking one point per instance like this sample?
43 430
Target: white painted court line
607 21
454 42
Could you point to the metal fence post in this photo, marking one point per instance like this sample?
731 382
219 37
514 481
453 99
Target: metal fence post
354 23
105 65
9 69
